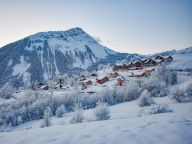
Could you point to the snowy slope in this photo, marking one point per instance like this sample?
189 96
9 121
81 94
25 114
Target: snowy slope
123 127
182 61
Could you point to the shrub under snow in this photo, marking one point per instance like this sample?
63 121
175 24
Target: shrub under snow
60 111
77 116
156 87
6 91
178 94
102 112
182 95
155 109
145 99
46 118
189 92
160 108
167 75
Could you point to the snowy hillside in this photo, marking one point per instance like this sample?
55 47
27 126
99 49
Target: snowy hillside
124 127
182 61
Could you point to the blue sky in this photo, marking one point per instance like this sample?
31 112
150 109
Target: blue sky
133 26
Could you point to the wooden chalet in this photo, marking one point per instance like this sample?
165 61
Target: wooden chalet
159 57
140 75
45 87
103 80
117 68
87 83
125 67
82 78
58 86
120 81
93 75
150 62
138 64
148 72
143 61
120 67
169 59
40 84
159 61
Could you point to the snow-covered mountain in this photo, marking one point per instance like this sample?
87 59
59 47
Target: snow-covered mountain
43 55
46 54
175 52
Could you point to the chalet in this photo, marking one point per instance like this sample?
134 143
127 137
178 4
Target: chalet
120 81
150 62
125 67
135 66
159 57
138 64
45 87
132 75
140 75
118 68
130 65
159 61
103 80
169 59
113 75
143 61
87 83
93 75
148 72
82 78
40 84
58 86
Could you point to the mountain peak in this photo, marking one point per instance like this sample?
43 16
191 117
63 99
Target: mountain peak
76 30
73 32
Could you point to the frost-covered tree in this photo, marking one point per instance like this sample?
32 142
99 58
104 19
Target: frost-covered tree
46 118
77 116
145 99
167 75
189 92
60 111
178 94
19 120
6 91
34 85
156 87
102 112
182 95
9 127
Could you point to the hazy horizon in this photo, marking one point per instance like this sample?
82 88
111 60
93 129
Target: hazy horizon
131 26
